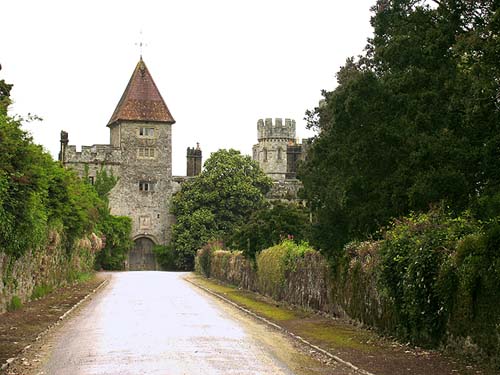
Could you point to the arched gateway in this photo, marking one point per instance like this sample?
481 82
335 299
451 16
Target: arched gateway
141 256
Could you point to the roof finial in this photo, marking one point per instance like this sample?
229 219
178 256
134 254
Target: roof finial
141 44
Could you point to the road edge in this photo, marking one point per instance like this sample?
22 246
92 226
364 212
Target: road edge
280 328
42 334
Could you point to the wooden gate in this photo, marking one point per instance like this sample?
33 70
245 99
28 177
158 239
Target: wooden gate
141 257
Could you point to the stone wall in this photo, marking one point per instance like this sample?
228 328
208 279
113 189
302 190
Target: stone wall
91 159
307 281
48 267
286 190
234 268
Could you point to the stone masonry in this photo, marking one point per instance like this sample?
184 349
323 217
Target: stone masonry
140 155
278 153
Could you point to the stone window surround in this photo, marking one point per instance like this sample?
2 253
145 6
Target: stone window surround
146 153
146 186
146 132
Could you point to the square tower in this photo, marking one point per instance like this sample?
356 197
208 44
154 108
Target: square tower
141 128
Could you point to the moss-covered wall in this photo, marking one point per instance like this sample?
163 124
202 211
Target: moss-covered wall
302 276
45 268
233 268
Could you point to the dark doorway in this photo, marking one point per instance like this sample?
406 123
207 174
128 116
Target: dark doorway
141 257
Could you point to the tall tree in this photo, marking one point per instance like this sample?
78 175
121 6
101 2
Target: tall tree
217 201
412 122
5 100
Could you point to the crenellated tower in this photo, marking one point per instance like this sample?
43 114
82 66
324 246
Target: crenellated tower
274 139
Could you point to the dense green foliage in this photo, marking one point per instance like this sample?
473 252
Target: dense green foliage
212 205
4 96
117 243
36 192
414 121
475 273
417 256
269 226
165 256
441 276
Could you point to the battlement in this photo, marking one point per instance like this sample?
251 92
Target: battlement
267 129
194 152
92 154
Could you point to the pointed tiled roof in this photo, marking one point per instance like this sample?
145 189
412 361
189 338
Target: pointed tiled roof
141 100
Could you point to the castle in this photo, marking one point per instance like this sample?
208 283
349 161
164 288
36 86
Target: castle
140 155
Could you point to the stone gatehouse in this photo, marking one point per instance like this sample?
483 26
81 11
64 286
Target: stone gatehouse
140 155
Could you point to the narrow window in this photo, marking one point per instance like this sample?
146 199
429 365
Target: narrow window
91 180
265 154
146 132
146 186
279 153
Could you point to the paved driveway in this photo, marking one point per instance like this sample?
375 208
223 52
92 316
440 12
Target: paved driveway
157 323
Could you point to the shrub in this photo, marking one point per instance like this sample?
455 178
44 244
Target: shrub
15 304
416 271
204 255
269 226
275 263
476 310
40 291
165 256
116 230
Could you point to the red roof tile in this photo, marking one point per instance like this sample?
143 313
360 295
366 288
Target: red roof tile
141 100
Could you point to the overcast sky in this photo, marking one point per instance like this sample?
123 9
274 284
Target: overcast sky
220 65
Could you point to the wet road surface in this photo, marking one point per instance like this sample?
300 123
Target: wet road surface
157 323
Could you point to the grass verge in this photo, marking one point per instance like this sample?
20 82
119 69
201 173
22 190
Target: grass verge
364 348
20 327
306 324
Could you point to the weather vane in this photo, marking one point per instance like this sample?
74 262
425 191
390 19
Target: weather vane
141 44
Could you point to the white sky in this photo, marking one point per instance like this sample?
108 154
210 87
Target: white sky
220 65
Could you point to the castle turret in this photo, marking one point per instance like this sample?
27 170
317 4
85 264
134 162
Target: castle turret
271 151
64 145
194 161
